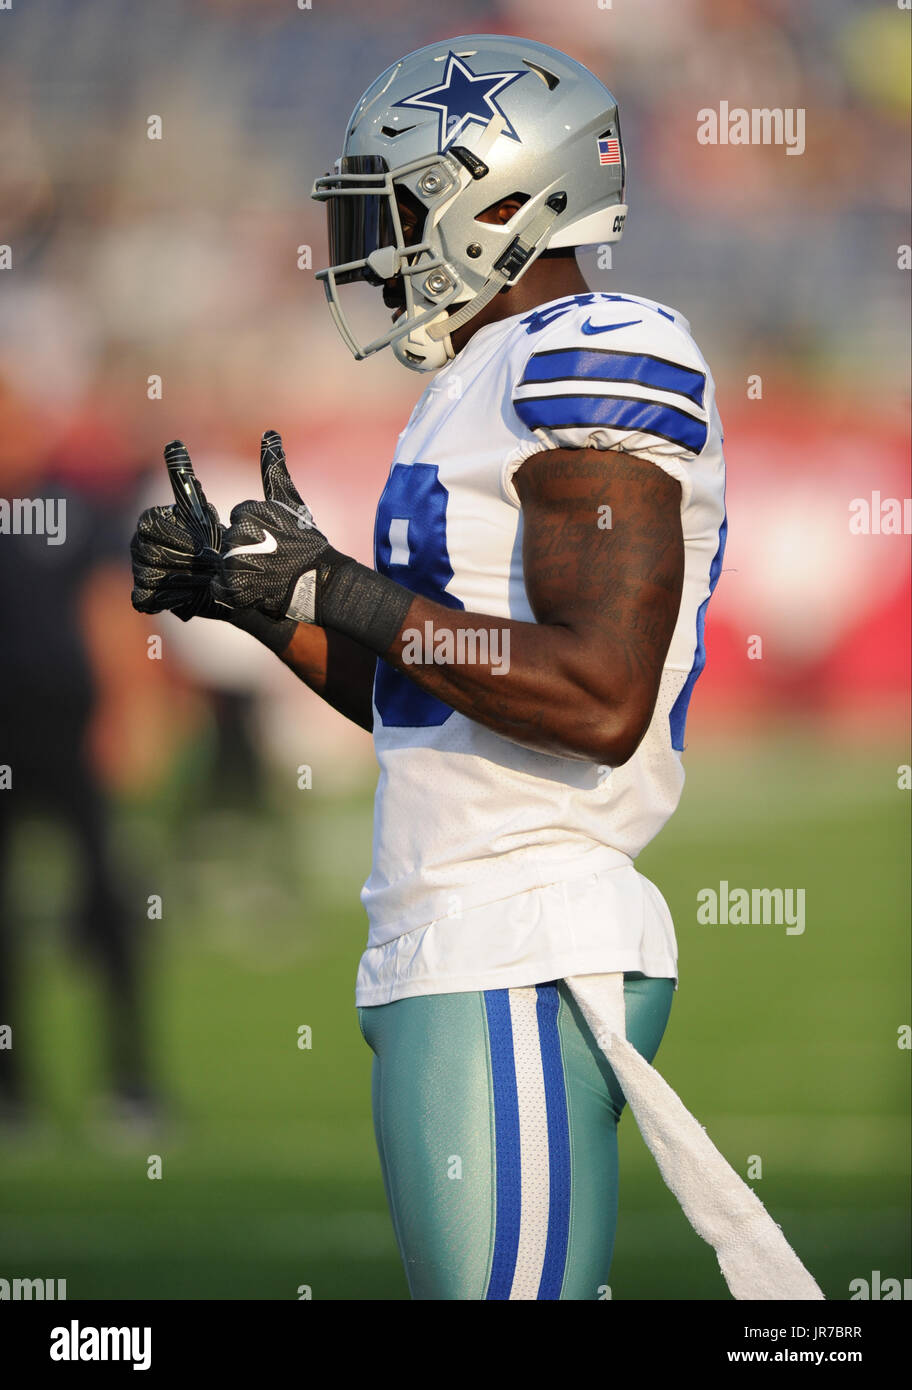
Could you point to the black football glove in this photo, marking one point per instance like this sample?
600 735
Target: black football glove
274 559
173 570
167 571
273 556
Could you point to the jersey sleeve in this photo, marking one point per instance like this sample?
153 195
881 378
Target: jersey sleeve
637 387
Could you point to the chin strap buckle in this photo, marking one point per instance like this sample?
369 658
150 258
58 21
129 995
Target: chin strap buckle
507 268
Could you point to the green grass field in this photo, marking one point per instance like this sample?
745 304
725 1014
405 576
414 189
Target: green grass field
784 1046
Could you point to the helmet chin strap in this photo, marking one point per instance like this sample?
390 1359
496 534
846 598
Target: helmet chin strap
466 311
505 271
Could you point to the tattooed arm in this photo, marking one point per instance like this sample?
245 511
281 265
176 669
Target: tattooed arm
583 679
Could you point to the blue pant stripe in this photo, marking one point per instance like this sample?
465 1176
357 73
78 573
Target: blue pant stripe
506 1144
558 1144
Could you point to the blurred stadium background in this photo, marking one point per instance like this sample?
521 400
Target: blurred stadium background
179 258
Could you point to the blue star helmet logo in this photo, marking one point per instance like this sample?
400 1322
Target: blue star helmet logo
462 99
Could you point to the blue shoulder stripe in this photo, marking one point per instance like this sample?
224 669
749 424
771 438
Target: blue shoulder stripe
615 412
593 364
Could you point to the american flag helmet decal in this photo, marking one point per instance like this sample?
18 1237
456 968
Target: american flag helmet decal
609 150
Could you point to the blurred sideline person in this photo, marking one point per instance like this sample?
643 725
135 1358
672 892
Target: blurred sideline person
48 700
524 652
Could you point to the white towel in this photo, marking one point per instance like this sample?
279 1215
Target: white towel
754 1256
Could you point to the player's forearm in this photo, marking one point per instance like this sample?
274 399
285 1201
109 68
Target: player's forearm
580 682
337 668
534 683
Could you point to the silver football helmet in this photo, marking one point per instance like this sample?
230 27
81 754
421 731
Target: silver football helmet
449 132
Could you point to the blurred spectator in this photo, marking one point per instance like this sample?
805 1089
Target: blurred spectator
48 566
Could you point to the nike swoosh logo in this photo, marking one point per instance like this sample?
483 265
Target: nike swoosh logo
263 547
590 327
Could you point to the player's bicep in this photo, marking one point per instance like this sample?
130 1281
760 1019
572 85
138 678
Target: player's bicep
603 554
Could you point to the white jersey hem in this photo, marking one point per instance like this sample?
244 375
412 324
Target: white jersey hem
604 922
516 976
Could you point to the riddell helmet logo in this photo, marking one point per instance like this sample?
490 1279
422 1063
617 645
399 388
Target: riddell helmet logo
619 221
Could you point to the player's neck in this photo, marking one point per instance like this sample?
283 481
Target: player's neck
546 279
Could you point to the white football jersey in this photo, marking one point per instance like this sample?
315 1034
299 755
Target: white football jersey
494 865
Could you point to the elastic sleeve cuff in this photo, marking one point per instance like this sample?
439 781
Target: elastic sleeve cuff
672 464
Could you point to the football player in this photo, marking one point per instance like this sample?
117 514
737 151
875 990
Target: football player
524 651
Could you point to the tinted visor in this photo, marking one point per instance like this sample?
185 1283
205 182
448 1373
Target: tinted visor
359 223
